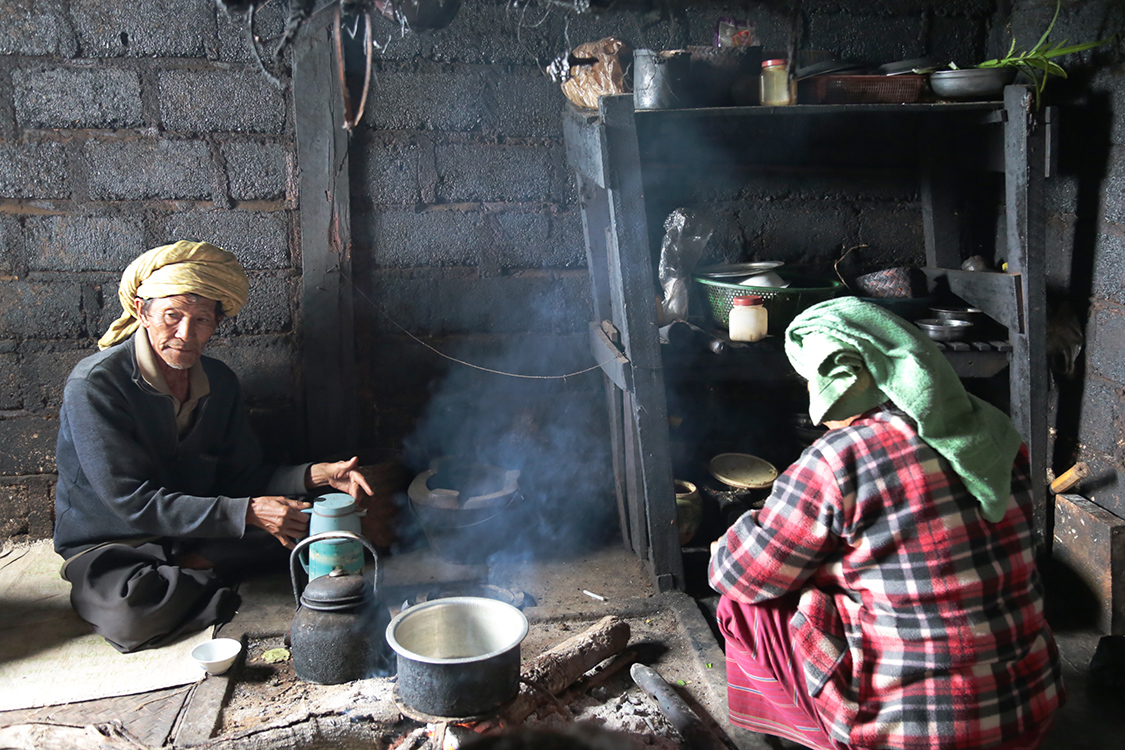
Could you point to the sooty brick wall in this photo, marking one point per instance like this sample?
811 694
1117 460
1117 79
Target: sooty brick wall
468 232
1086 242
125 125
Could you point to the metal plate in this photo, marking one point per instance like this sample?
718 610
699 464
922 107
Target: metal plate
730 270
829 66
742 470
915 65
941 329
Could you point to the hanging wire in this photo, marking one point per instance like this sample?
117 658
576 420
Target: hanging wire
382 311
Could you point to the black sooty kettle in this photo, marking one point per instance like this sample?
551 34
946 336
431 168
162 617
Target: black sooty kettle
337 633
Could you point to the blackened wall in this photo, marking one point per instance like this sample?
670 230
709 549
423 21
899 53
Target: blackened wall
468 232
1086 242
127 124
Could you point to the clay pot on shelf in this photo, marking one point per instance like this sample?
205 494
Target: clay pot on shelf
689 509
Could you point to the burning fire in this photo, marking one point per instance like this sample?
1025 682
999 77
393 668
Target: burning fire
446 735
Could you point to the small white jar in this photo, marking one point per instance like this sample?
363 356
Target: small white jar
776 88
748 319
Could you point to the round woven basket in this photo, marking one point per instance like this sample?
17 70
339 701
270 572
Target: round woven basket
782 304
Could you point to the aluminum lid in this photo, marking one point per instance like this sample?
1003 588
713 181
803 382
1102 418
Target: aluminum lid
731 270
743 471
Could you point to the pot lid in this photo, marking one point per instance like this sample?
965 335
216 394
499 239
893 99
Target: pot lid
337 590
334 504
730 270
743 471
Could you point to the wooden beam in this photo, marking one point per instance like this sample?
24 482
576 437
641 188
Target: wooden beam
613 363
634 315
997 295
328 349
585 147
594 203
1090 541
941 223
1024 152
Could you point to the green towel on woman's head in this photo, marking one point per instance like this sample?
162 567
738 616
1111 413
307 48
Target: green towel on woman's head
857 355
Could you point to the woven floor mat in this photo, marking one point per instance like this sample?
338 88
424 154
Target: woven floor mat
48 656
149 717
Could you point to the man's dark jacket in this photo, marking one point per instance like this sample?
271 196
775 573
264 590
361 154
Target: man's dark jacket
125 474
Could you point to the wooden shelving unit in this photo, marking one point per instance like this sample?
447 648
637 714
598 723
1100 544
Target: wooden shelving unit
617 151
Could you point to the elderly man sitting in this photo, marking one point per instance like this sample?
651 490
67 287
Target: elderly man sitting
162 490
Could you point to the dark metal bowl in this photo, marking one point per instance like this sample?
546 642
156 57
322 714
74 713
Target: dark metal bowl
971 83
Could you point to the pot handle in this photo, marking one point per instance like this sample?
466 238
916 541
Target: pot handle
294 556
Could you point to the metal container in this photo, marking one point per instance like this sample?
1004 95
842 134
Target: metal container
783 304
335 511
336 633
661 79
458 657
968 314
971 83
463 507
944 330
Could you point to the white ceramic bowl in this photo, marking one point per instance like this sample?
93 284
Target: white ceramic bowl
767 279
216 655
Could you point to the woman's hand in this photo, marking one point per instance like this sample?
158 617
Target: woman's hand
715 547
345 476
280 516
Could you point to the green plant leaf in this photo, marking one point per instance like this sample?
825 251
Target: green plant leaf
1060 51
1050 26
1036 63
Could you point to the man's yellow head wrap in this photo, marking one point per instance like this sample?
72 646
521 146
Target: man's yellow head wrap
182 268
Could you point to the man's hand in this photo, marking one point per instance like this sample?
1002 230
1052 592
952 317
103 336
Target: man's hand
715 546
345 476
280 516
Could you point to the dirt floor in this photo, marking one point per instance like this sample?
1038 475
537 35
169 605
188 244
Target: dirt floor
267 693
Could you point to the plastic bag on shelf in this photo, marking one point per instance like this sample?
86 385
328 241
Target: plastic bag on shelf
735 32
685 236
593 70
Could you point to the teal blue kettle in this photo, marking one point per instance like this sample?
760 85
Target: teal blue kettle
335 511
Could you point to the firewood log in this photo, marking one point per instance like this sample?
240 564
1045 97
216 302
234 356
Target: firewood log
556 669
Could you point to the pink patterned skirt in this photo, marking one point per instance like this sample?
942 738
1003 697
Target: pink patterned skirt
766 690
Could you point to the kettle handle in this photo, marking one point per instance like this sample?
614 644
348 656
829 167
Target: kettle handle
323 536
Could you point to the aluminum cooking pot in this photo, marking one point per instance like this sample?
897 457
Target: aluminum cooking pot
458 657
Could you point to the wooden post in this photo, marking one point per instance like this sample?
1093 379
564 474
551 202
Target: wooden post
595 219
1024 160
634 309
940 223
328 350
